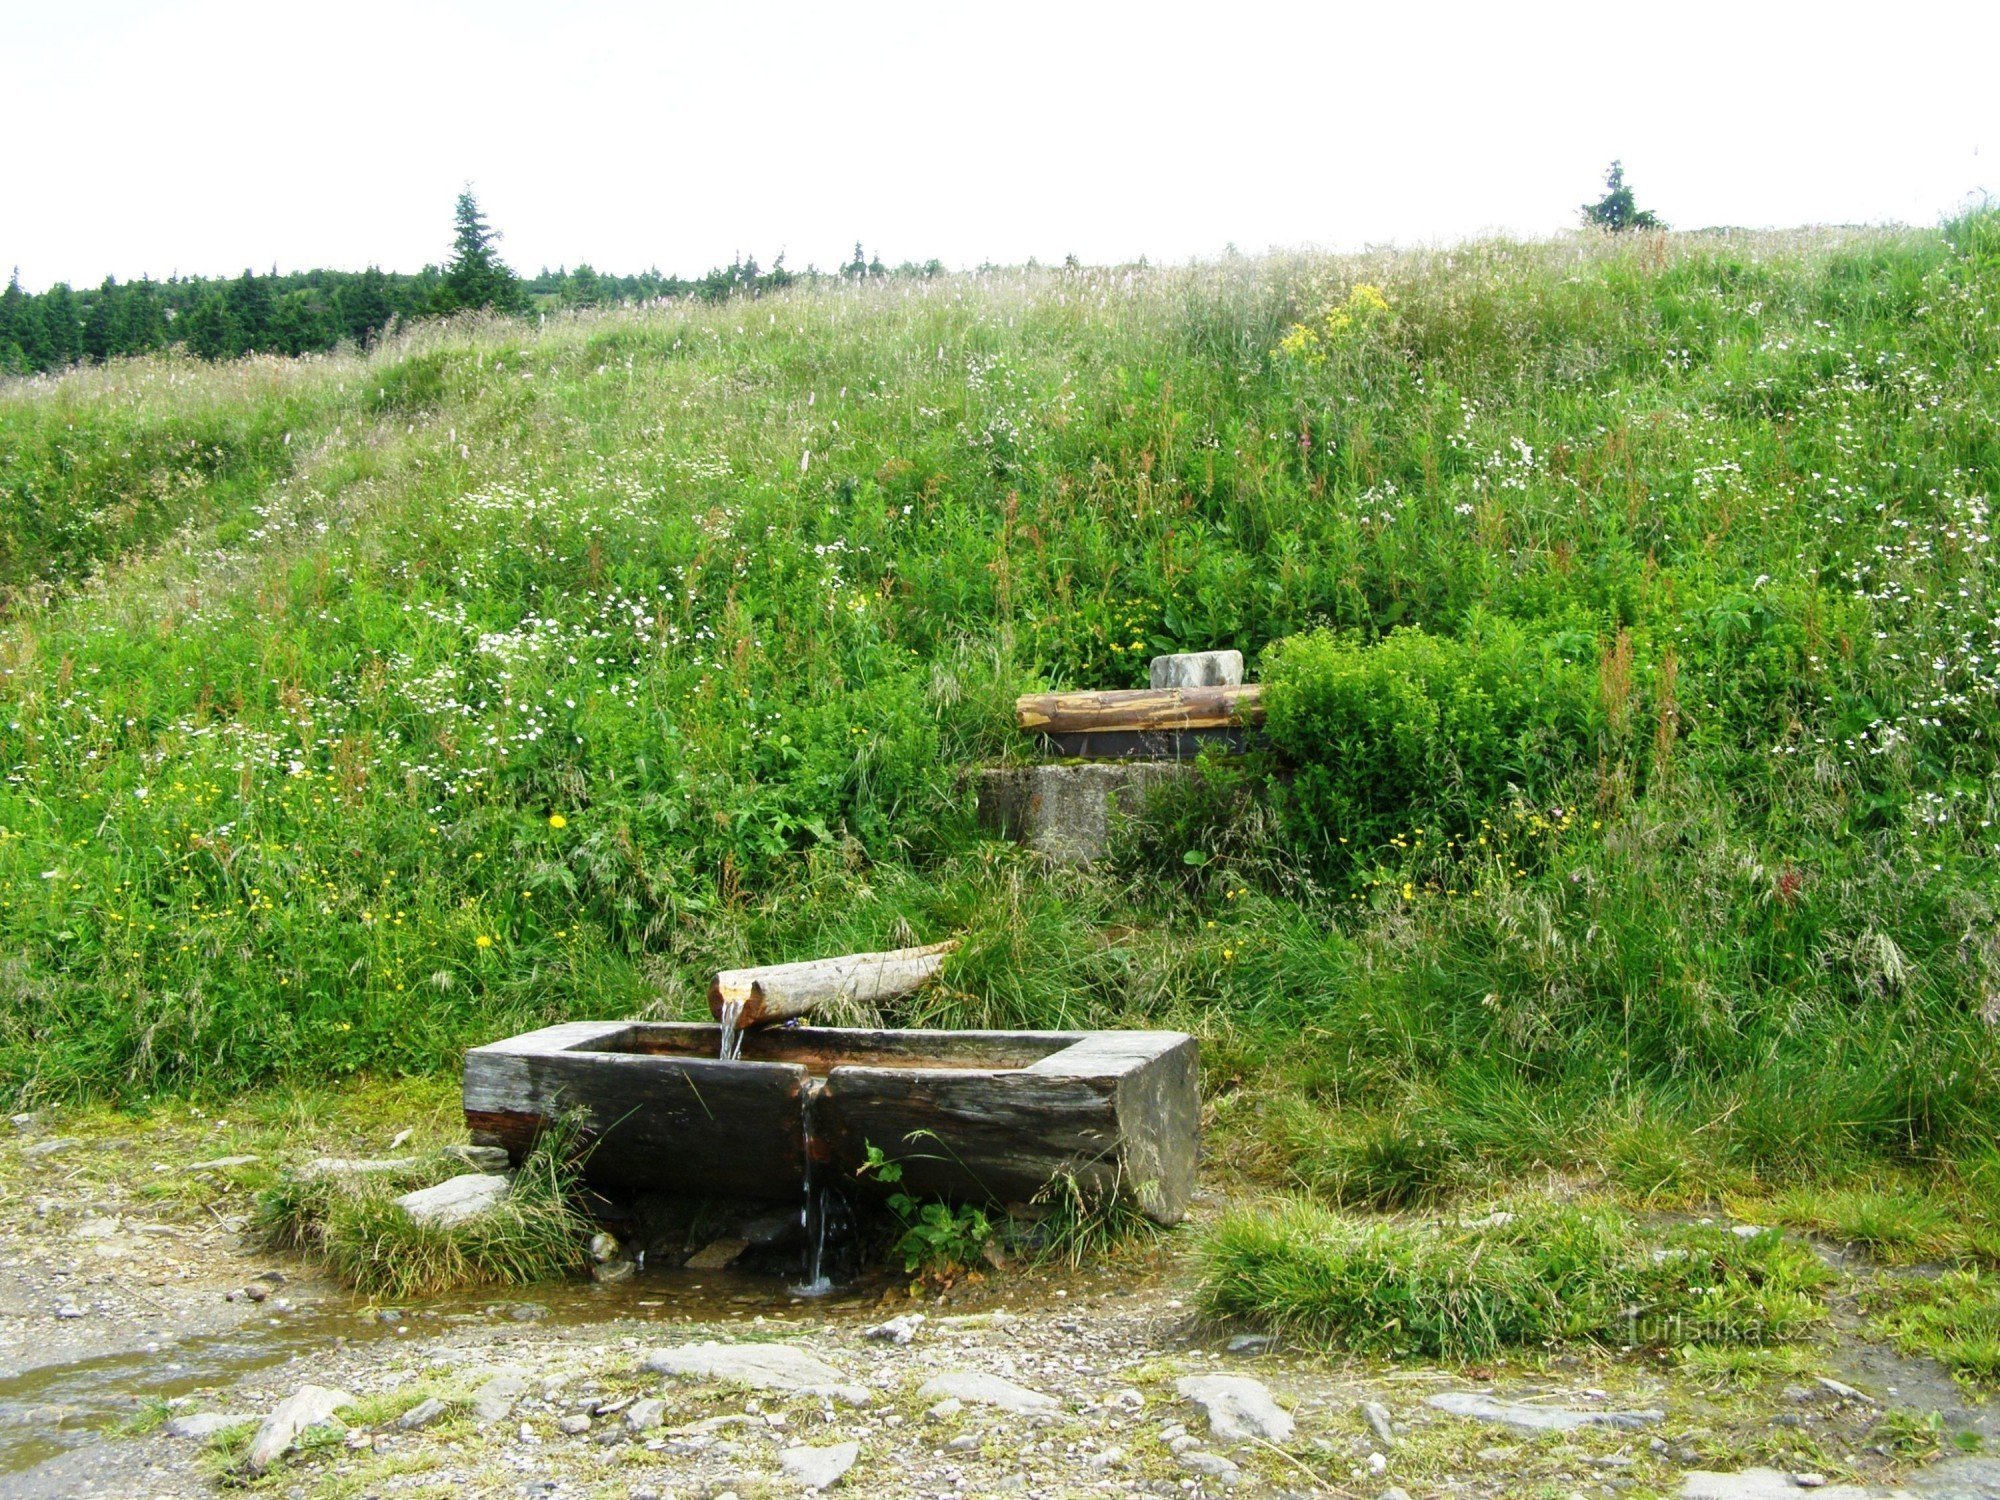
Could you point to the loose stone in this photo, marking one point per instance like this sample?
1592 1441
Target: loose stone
819 1468
454 1200
495 1399
604 1248
766 1367
1483 1408
309 1406
422 1414
1237 1407
988 1390
897 1330
1213 1466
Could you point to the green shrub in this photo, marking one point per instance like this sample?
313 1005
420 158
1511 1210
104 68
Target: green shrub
1417 734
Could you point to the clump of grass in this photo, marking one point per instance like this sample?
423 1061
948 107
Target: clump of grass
353 1226
1077 1225
1539 1278
1386 1161
1954 1319
1894 1226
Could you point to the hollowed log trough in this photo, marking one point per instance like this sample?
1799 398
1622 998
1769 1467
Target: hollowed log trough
978 1116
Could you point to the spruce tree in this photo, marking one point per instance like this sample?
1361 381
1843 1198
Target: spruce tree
250 313
1616 210
100 324
62 333
364 306
208 329
142 323
15 310
477 277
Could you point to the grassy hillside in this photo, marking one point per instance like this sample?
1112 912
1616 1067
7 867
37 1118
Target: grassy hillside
361 708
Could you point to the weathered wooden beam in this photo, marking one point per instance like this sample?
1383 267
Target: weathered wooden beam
1141 709
778 992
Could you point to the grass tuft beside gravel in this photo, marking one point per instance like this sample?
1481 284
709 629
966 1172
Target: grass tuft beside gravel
1954 1320
1546 1276
353 1226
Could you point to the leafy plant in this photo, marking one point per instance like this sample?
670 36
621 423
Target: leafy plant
937 1239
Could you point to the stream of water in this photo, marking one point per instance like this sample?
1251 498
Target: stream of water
813 1212
731 1048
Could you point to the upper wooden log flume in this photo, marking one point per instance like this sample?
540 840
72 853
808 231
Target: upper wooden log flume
778 992
1141 709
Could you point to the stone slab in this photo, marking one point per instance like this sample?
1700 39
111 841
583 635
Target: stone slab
1067 813
1186 669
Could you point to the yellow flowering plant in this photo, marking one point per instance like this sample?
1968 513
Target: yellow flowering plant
1311 340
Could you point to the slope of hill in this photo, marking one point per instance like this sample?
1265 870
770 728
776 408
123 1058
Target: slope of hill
358 708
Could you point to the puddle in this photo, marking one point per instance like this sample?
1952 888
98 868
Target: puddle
50 1412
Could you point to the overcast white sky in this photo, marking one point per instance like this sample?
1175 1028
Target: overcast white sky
203 136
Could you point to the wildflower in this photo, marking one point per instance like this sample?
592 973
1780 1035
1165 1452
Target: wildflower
483 941
557 820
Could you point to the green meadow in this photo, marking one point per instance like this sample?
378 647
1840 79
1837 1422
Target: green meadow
1628 608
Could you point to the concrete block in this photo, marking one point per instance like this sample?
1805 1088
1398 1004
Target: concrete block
1067 812
1198 669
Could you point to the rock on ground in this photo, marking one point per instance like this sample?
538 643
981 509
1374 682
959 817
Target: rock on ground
716 1255
1213 1466
454 1200
422 1414
764 1367
896 1330
819 1468
1524 1418
1376 1415
987 1390
1237 1407
309 1406
646 1414
493 1400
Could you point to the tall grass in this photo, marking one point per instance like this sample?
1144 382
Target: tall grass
361 708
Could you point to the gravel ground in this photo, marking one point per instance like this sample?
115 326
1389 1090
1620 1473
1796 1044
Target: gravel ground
121 1309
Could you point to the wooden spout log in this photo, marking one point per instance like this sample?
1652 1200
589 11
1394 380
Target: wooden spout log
1141 709
778 992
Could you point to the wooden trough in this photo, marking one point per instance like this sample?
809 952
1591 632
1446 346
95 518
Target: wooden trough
980 1116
